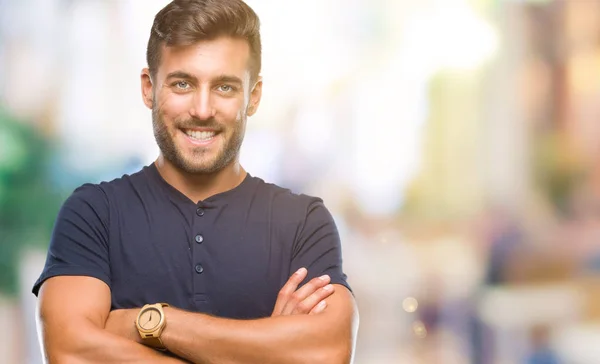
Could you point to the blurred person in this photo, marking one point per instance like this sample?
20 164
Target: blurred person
501 235
542 352
189 259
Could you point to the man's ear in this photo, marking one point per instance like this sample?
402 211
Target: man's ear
255 96
147 92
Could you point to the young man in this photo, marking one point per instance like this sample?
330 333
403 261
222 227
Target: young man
192 259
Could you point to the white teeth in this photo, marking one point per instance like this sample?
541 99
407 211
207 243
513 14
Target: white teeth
200 135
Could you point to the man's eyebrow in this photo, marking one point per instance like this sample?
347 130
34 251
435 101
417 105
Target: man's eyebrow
228 79
180 74
219 79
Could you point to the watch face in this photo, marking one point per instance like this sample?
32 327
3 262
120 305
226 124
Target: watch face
149 319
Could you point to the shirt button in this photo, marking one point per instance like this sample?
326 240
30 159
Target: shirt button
199 268
199 239
199 211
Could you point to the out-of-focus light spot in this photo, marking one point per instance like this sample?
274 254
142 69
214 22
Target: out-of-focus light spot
452 36
419 329
410 304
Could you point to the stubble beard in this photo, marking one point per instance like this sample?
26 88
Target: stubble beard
197 162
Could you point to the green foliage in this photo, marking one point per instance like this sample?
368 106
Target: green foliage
28 204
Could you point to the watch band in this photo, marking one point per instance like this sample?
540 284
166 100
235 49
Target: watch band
155 342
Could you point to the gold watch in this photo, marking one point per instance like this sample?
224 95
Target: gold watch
150 323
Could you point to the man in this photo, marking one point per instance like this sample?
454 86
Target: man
192 259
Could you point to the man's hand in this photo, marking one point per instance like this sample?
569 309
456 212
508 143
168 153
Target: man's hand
309 299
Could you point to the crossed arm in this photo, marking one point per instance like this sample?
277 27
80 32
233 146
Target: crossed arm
72 313
312 324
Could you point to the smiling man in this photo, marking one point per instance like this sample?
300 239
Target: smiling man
192 259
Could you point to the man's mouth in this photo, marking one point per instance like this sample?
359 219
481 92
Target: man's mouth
201 136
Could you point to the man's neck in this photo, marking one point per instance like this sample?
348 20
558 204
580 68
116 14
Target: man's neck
202 186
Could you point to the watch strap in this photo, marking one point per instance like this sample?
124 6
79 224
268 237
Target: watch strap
154 342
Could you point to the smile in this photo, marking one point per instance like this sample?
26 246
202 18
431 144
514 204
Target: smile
201 136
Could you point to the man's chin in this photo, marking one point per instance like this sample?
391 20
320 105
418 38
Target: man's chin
203 168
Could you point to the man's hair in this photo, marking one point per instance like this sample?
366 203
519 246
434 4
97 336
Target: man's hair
185 22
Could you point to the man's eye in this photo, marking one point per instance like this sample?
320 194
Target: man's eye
225 88
182 85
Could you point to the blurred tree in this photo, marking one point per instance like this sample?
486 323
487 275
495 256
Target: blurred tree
28 202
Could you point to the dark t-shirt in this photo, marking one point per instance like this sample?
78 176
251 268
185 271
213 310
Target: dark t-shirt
228 255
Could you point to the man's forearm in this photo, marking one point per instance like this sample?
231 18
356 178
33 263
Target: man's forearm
327 337
95 345
285 339
300 334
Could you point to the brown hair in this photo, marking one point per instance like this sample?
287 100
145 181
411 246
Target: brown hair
185 22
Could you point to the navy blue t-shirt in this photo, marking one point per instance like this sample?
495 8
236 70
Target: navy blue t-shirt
227 256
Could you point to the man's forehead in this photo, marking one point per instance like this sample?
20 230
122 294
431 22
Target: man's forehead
223 54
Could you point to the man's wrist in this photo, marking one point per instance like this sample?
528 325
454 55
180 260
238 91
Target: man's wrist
169 313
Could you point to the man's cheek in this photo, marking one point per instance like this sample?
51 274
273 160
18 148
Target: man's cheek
176 104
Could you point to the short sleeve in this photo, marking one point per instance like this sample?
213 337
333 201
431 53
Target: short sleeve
79 242
318 246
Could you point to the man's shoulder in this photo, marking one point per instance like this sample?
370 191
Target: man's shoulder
285 200
115 188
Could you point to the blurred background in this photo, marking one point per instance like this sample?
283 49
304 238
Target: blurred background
456 142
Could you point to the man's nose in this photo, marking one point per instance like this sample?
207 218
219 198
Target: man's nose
202 105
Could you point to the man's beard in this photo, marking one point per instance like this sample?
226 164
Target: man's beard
196 163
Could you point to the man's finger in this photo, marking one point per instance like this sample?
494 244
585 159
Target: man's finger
288 289
302 293
311 302
320 307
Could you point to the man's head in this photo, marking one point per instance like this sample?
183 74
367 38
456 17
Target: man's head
202 81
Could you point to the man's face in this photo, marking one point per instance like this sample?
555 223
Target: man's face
200 98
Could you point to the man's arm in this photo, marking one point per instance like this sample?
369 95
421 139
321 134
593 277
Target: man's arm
328 337
301 329
72 313
310 300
